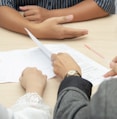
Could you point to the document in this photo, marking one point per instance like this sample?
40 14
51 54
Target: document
91 70
12 63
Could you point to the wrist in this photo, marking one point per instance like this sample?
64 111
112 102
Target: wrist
35 29
73 73
56 13
76 82
49 14
35 89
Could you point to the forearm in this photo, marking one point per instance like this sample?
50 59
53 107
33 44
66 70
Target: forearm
12 20
85 10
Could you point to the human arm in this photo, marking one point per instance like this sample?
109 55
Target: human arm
31 105
74 91
49 29
73 101
113 66
85 10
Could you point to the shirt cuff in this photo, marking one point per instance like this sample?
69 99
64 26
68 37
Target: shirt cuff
30 100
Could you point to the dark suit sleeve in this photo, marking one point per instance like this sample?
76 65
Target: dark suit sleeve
74 102
73 98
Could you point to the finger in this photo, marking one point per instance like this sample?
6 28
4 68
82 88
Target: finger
20 78
72 33
32 18
53 57
28 70
115 59
62 56
29 13
27 7
114 66
56 57
55 70
23 8
55 64
61 53
110 73
45 76
64 19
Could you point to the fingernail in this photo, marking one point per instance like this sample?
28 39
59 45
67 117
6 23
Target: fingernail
85 32
69 17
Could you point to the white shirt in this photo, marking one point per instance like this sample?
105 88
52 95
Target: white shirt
29 106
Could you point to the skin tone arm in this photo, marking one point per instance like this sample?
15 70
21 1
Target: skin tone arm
32 80
113 66
49 29
85 10
62 66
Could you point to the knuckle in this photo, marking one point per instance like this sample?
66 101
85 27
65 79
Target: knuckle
61 35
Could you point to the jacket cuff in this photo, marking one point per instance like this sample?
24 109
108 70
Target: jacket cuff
78 82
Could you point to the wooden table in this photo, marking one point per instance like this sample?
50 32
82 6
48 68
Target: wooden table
102 38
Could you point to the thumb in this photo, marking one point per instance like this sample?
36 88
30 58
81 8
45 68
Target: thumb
109 73
114 66
64 19
53 57
24 8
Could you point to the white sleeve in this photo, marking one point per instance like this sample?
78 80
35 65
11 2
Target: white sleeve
30 106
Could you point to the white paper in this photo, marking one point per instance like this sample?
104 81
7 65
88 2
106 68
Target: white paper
91 70
12 63
41 46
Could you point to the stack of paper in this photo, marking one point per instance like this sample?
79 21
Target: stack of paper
12 63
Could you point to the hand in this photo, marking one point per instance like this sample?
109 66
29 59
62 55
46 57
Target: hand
32 80
52 28
113 66
34 13
62 63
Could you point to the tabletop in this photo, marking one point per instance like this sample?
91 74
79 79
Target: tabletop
101 38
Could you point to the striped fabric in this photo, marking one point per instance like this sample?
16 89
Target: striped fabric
107 5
